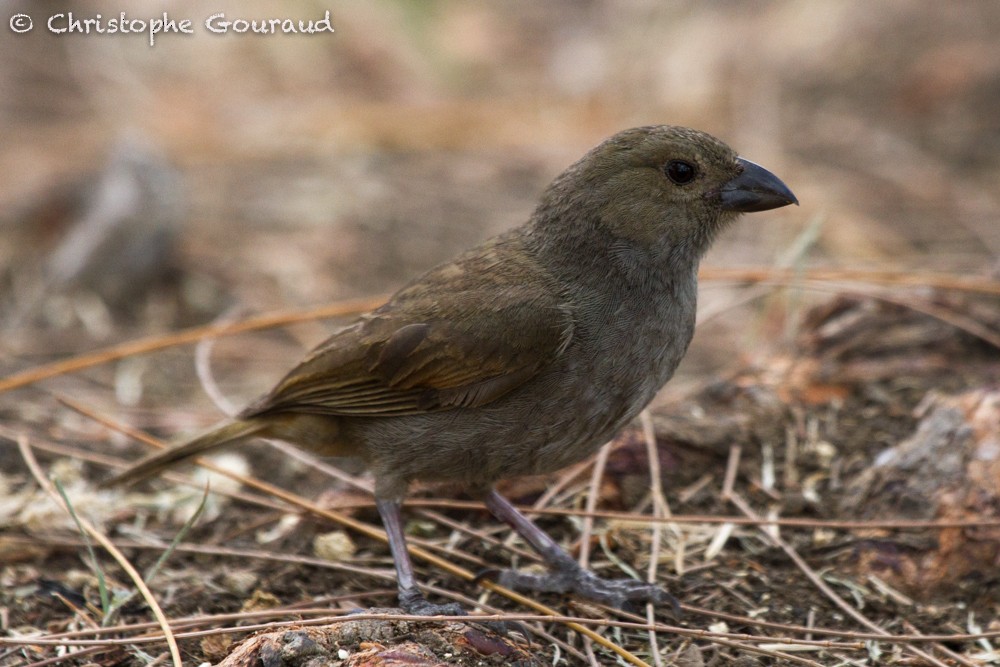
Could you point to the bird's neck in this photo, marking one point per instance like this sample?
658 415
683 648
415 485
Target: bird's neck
587 253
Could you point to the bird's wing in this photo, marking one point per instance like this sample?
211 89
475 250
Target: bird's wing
406 359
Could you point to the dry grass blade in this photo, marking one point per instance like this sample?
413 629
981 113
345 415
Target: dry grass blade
323 615
660 510
820 275
617 515
194 334
957 320
106 606
593 493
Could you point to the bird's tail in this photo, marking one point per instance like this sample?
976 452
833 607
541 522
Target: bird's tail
219 436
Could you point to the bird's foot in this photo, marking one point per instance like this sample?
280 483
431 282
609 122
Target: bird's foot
625 594
413 602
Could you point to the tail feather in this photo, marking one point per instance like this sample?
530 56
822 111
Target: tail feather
217 437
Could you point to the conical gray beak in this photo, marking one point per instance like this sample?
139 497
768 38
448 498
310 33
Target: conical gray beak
756 189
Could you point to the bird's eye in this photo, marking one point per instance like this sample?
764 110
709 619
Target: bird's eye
680 172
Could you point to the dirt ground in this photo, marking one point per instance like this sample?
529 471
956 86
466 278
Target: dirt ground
827 451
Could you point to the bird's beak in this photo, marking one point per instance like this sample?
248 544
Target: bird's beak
755 189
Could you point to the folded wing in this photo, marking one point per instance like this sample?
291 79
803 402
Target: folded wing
404 359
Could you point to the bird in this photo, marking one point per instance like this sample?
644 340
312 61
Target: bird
522 355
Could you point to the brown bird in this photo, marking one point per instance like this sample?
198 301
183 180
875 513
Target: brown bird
524 354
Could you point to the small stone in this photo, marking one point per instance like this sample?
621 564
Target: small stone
334 546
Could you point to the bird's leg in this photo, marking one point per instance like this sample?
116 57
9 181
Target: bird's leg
410 598
567 575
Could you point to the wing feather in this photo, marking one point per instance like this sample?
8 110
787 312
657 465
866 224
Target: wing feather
404 359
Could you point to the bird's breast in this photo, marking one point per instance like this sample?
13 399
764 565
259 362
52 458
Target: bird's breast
619 361
634 351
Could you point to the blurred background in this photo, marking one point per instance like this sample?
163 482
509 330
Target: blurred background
149 188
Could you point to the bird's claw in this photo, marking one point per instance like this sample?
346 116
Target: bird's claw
624 594
414 602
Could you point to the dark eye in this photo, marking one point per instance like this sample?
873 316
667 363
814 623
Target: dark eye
680 172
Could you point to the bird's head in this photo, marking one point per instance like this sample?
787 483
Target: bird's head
662 187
